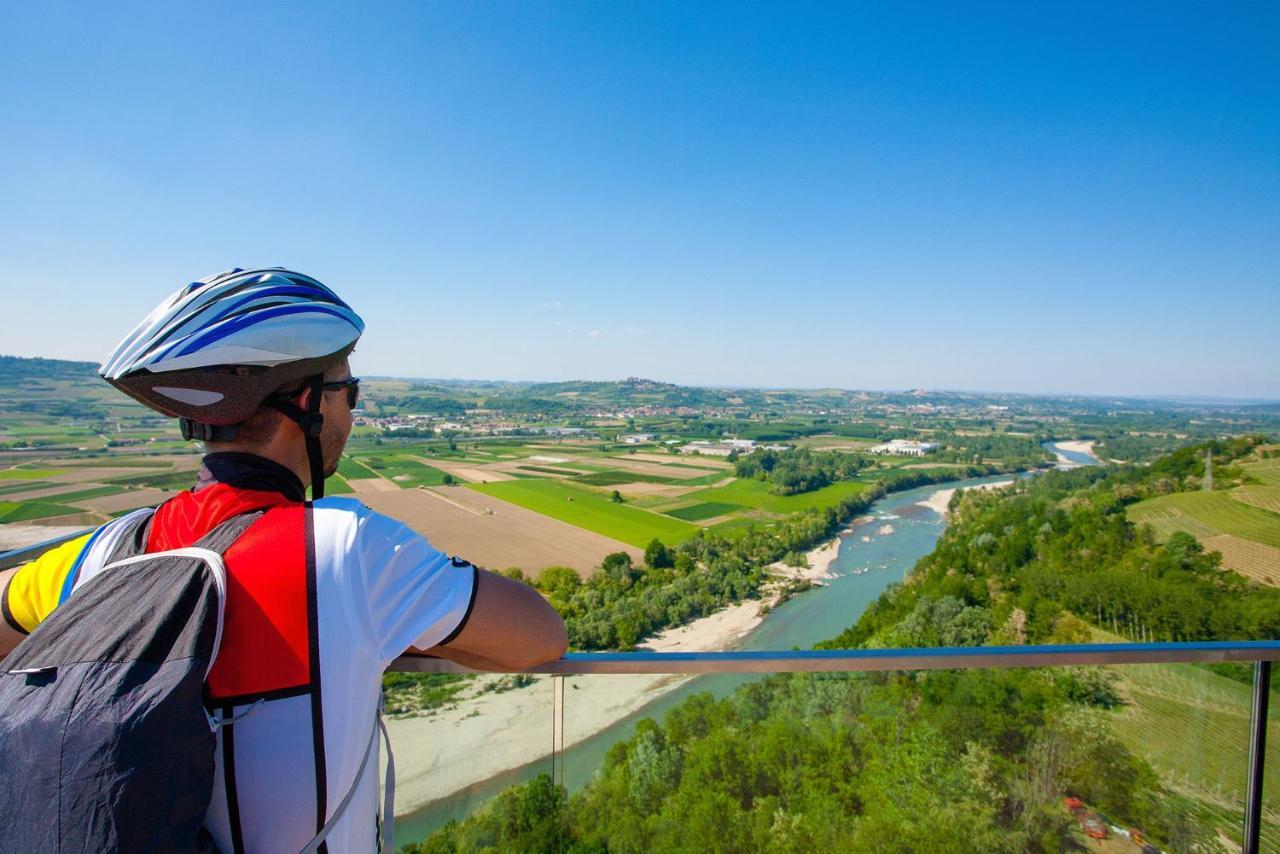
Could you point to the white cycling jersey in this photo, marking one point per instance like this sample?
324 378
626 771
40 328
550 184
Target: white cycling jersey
380 588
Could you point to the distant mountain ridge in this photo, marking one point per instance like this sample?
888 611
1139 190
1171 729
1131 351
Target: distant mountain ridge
639 391
18 369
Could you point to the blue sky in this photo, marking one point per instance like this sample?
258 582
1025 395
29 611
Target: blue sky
1078 198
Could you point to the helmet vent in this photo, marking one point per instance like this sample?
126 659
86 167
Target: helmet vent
193 396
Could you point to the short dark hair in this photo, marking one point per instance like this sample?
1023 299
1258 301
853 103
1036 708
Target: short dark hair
261 427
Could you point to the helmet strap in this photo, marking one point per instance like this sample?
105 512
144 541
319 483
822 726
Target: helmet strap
311 422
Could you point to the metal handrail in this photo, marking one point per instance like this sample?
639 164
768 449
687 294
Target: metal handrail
17 557
842 660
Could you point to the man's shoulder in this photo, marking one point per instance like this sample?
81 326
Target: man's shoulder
343 504
372 529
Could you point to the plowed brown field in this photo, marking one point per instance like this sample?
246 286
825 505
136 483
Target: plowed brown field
455 521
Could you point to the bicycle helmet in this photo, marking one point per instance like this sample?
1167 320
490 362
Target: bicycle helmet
219 349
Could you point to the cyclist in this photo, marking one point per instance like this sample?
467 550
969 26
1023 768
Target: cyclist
321 595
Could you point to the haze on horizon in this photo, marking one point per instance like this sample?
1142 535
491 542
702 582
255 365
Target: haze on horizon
1077 200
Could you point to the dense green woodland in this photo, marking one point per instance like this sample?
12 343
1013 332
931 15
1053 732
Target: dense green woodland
798 470
928 761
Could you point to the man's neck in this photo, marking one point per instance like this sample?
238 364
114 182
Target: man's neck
283 450
249 471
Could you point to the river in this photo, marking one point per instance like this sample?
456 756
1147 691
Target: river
879 550
1070 457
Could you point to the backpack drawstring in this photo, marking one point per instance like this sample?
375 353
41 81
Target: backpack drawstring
215 723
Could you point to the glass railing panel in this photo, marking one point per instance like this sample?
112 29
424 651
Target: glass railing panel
460 740
1269 837
1028 759
1053 758
1190 725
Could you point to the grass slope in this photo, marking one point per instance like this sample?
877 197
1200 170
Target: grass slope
1206 514
590 510
755 494
29 474
1266 471
25 511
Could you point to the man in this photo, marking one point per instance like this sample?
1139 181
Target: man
321 596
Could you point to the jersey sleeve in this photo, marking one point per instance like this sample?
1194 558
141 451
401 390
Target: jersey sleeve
37 587
417 595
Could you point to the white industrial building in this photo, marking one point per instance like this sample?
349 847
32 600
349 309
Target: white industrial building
904 448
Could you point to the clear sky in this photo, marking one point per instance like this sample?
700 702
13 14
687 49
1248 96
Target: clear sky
1079 198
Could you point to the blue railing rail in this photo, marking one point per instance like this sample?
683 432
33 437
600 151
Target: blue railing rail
846 660
17 557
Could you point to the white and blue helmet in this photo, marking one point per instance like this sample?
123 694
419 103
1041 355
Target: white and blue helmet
219 347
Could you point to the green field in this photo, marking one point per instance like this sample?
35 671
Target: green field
1266 471
335 484
614 477
732 528
1266 497
755 494
353 470
588 509
698 512
28 474
158 480
403 471
22 486
547 470
86 494
1207 514
25 511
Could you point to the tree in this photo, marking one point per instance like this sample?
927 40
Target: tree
657 555
618 566
448 480
616 497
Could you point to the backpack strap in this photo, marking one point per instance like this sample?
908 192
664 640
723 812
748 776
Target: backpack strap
135 530
386 840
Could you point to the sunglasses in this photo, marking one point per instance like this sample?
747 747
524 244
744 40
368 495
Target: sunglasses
352 385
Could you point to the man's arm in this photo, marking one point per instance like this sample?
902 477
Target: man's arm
9 636
511 627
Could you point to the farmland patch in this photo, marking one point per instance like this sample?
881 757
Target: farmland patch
548 470
612 478
29 474
1266 497
703 511
1252 560
25 511
590 510
751 493
496 533
1207 514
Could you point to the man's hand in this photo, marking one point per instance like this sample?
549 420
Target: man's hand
511 627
